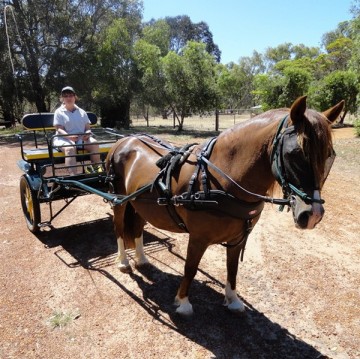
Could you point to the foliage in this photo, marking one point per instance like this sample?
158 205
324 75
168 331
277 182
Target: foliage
158 33
337 86
152 82
190 84
280 89
103 49
182 30
235 86
116 72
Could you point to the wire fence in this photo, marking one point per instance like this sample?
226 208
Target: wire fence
204 122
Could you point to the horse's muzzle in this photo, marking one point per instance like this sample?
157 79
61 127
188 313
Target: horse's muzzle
307 216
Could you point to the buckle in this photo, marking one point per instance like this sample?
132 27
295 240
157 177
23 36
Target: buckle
162 201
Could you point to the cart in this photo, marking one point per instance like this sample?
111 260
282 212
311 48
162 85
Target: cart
46 178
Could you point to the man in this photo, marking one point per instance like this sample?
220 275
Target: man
72 126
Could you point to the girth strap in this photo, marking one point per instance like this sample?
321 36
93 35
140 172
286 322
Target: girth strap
243 240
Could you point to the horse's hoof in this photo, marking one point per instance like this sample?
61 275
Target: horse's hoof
141 263
124 268
185 311
236 307
184 308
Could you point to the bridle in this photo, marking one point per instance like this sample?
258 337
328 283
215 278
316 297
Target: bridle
278 168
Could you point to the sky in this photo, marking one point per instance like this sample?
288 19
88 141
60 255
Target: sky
241 26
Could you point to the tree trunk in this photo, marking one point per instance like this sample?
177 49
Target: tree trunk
216 120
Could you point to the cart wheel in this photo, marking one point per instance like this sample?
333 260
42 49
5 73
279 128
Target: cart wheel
30 205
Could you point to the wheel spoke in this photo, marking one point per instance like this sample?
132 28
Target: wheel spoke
29 203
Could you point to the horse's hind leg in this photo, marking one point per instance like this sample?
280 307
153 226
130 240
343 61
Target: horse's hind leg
129 233
195 252
232 300
121 259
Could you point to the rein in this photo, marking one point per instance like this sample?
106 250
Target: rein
203 157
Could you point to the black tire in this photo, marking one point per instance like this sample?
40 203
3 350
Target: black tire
30 205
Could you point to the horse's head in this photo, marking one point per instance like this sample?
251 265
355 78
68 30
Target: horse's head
302 157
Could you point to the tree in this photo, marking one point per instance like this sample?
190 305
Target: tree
235 85
53 44
337 86
158 33
354 63
117 77
182 30
152 82
339 53
190 81
281 88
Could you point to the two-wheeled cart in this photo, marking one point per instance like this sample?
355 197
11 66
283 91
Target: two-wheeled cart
46 178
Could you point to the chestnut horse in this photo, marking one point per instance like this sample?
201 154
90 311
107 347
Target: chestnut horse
216 191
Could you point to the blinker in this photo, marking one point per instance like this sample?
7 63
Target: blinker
290 166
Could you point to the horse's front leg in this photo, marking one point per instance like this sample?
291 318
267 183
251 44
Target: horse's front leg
232 300
195 252
121 259
140 257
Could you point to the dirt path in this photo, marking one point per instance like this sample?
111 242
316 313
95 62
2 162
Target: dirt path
301 288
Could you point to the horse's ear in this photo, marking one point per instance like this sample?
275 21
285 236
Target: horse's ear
298 109
333 113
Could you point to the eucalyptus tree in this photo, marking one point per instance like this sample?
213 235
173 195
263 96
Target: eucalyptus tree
281 88
9 101
190 81
182 30
235 85
354 26
117 77
151 79
55 43
158 33
337 86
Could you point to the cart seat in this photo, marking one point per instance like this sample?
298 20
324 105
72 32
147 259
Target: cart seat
45 121
43 153
42 124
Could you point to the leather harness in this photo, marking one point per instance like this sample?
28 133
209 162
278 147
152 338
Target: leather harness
206 199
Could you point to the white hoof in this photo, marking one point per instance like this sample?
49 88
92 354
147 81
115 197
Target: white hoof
123 264
141 261
232 301
184 307
124 268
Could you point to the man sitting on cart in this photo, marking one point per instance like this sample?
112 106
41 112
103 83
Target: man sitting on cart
72 131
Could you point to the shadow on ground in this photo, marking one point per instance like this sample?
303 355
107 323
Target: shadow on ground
92 245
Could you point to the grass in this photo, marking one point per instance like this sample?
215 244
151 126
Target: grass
61 319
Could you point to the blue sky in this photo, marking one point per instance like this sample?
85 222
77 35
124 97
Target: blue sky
241 26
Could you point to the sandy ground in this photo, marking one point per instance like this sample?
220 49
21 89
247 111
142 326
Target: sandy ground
62 296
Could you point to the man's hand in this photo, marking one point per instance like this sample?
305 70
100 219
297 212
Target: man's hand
87 135
73 138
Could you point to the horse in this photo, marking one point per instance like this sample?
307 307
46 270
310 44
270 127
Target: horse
216 191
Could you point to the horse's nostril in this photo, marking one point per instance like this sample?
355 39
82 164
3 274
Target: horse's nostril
303 219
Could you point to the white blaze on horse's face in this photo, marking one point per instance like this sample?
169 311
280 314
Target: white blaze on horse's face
317 211
306 215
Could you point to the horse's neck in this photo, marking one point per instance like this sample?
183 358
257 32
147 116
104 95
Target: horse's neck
243 153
